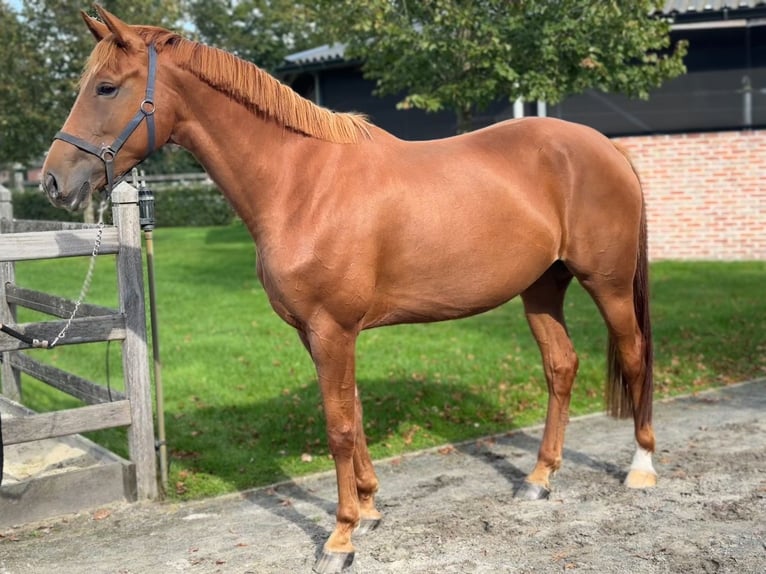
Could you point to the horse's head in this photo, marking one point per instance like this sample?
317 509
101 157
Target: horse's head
113 125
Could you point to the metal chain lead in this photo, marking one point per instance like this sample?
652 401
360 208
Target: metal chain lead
88 276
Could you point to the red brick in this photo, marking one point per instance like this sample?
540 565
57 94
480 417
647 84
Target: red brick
705 194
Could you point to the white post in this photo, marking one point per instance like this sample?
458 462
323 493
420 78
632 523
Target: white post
747 102
518 108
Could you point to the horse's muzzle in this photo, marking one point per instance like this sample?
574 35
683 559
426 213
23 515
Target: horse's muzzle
71 201
51 187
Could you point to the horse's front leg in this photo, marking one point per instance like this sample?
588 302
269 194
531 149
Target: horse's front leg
366 479
332 349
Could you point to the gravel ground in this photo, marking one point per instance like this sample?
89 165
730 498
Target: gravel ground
452 510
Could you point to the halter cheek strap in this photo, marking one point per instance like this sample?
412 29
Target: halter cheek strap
107 153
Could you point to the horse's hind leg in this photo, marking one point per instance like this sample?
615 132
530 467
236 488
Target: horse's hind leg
366 479
544 308
628 347
630 371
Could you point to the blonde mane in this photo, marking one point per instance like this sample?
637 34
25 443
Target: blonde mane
244 82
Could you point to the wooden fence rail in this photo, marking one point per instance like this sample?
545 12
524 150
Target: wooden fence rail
104 408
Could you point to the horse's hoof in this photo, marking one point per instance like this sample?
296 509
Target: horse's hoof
530 491
640 479
367 525
333 562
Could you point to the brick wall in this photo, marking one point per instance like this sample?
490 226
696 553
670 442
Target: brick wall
705 194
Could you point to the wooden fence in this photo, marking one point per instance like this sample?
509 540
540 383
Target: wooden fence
103 408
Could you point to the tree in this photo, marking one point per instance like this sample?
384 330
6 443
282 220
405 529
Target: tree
463 55
44 49
24 127
260 31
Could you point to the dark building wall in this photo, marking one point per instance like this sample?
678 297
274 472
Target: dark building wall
723 66
725 88
344 89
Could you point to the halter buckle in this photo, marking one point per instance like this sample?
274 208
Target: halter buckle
143 107
107 154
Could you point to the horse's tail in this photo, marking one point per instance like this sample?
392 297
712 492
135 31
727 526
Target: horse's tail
619 401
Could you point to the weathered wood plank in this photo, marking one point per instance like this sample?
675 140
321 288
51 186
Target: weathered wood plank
6 209
83 389
86 330
62 423
52 304
10 385
135 357
54 244
76 490
26 225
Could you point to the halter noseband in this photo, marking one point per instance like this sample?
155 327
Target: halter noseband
107 153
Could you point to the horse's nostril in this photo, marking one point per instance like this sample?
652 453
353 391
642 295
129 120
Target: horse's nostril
51 186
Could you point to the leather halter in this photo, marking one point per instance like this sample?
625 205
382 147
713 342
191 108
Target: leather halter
107 153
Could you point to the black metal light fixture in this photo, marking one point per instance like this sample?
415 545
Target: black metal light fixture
145 207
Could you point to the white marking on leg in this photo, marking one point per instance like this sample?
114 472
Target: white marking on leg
642 460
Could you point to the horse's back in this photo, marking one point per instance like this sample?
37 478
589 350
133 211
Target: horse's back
603 198
584 181
547 172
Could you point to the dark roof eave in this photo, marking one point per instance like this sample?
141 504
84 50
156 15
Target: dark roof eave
315 66
695 16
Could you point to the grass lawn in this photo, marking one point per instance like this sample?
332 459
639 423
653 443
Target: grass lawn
242 405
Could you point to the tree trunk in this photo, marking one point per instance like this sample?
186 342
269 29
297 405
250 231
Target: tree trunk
464 119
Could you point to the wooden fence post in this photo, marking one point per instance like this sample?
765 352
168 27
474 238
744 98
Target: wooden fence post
135 357
11 377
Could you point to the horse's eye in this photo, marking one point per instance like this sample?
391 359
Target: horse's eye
106 90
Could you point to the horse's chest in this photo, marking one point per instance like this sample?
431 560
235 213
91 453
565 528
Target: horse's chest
285 293
302 285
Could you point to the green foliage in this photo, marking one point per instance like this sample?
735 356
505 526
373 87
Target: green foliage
242 404
260 31
25 126
33 204
613 46
464 55
191 206
170 159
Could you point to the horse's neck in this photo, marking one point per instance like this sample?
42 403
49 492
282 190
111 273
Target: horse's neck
244 153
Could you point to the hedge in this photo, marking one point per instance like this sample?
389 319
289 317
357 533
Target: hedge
191 206
35 205
194 205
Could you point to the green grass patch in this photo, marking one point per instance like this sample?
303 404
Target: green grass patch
242 404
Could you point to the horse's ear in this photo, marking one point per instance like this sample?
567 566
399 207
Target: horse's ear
96 27
123 34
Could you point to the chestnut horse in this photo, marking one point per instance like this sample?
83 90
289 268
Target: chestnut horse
357 229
